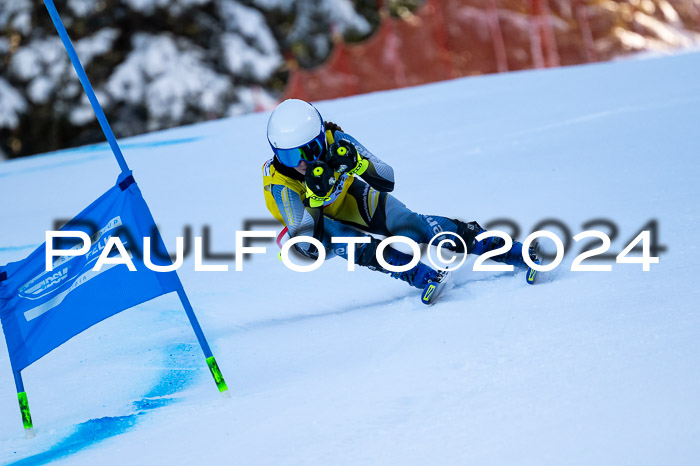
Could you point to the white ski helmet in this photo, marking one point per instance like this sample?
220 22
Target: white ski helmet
296 132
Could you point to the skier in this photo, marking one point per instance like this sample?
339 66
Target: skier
323 183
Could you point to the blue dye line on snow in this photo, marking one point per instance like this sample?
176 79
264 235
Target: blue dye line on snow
20 248
103 146
91 432
96 150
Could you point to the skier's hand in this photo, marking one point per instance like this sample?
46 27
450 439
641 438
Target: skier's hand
342 156
319 180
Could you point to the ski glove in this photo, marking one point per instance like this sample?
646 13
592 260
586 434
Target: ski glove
343 158
319 181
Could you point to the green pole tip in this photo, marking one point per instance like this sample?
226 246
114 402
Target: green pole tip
24 409
216 373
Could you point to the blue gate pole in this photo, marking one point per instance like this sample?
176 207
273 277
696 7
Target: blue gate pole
23 405
211 362
63 34
101 118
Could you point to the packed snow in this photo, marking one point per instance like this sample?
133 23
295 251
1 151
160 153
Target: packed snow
334 367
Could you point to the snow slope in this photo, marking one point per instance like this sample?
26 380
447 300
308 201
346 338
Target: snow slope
343 368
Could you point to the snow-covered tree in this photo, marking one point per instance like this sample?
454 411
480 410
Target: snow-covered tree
154 63
161 63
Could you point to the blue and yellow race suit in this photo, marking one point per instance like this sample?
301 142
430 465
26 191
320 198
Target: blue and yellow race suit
357 205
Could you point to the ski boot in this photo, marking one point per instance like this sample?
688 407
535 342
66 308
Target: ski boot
419 276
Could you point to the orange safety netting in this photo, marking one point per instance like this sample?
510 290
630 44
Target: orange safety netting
451 38
444 39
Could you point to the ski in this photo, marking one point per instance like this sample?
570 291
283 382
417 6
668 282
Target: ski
434 288
531 275
535 257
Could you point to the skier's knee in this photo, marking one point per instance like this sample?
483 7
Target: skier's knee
468 231
307 250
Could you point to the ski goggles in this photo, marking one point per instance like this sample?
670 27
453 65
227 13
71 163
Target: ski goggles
309 152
